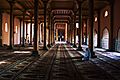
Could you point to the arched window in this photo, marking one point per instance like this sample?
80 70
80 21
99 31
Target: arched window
16 29
105 39
119 35
118 41
106 14
95 38
95 19
6 27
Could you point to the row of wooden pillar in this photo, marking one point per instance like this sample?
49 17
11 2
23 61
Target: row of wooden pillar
51 27
90 28
22 42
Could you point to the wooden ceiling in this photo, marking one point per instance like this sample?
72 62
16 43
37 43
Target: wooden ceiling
60 9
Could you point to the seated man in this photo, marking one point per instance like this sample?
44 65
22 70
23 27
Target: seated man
87 54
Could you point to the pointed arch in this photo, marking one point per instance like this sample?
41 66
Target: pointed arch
119 34
118 41
105 39
95 38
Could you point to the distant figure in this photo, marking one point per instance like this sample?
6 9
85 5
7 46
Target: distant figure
87 54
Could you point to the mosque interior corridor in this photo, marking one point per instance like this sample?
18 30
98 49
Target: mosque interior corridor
61 62
59 39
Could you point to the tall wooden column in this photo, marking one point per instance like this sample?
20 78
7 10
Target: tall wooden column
49 27
56 34
111 40
91 21
26 32
71 29
0 28
51 32
23 31
31 31
68 33
80 25
13 31
39 28
86 32
45 5
11 25
82 33
20 31
35 52
74 22
98 36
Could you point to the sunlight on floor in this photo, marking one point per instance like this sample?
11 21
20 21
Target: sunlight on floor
2 62
22 52
60 42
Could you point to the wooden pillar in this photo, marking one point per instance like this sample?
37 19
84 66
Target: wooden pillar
51 30
68 32
53 33
71 29
11 25
13 31
56 34
74 22
86 32
42 32
45 5
26 32
20 31
31 31
66 27
0 28
23 36
98 36
91 23
39 28
82 35
49 27
35 52
80 25
111 40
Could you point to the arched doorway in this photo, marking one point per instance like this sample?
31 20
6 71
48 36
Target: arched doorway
118 42
61 33
105 39
95 38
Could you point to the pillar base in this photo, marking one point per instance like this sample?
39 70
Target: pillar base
93 56
49 45
35 53
74 46
10 48
71 43
23 45
45 48
39 43
1 46
79 48
98 47
30 43
109 50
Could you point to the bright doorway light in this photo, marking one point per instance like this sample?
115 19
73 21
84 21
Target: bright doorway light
106 14
16 29
6 27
